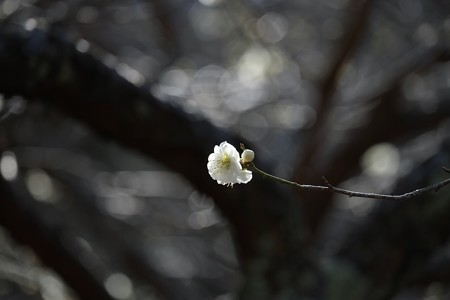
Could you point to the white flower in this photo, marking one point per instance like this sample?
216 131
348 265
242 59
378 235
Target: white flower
224 166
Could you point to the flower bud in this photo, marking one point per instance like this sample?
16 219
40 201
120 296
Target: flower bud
247 156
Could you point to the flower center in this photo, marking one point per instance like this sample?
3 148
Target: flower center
225 162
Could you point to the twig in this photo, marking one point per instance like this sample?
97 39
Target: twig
330 188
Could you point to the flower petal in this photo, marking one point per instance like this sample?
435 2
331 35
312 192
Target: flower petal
244 176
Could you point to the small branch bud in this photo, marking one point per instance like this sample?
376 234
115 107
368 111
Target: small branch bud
247 156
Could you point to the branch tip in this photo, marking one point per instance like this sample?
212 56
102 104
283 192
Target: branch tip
327 182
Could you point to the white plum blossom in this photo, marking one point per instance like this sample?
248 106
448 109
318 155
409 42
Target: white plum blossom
224 166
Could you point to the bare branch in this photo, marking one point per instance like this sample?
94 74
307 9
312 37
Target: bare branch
435 187
330 188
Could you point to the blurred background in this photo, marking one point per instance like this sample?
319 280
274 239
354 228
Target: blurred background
356 91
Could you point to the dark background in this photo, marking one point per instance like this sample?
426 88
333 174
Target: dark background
109 110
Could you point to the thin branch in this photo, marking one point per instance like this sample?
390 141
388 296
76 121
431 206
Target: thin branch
330 188
435 187
291 183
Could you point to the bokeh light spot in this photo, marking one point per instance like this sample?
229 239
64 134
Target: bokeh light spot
10 6
119 286
40 186
8 166
381 160
272 27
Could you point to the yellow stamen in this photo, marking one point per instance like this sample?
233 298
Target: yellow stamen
225 162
